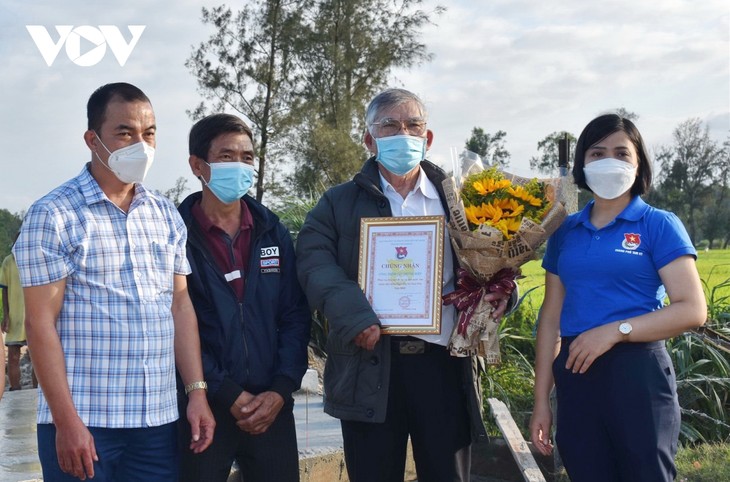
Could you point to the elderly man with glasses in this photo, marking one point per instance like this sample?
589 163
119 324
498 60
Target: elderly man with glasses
386 388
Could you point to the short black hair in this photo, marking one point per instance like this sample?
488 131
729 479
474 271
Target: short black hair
96 107
208 128
597 130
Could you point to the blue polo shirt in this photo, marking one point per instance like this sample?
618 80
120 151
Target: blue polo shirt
611 273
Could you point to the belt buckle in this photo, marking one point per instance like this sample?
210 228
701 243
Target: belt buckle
412 347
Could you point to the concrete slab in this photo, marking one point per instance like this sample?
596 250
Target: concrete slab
19 460
317 432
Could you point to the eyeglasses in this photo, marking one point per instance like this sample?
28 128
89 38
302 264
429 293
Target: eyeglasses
391 127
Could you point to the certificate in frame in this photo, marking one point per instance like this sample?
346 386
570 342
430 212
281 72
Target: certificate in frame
400 271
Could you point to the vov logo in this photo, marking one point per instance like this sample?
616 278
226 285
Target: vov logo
98 38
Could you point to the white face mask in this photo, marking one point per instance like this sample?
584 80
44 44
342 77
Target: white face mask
130 164
609 178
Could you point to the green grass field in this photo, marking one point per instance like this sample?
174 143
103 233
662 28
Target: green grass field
713 266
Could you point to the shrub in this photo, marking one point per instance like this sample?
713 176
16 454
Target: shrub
703 388
513 380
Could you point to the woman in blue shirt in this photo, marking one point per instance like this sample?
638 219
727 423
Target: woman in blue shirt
603 322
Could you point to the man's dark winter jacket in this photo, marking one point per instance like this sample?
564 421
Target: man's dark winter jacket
356 380
260 344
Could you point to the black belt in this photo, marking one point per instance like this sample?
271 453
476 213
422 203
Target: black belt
409 345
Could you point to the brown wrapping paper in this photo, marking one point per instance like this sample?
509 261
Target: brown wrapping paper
485 252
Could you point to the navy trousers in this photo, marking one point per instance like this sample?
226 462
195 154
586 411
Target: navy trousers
620 420
125 454
269 457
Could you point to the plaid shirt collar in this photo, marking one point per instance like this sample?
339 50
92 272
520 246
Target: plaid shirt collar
93 193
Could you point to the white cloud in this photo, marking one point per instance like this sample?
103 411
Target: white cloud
45 106
528 67
531 68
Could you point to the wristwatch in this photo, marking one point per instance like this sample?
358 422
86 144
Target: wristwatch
625 328
195 386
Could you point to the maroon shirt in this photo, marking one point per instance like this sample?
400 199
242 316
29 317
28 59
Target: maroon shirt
230 254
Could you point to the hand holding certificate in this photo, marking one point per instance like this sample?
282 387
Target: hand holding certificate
401 264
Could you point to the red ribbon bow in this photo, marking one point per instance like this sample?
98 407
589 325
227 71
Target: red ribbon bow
469 291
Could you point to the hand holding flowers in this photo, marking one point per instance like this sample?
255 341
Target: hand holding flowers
497 222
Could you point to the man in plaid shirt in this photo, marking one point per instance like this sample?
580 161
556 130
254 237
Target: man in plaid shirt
102 262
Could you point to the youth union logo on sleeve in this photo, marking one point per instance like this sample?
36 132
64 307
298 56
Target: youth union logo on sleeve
631 241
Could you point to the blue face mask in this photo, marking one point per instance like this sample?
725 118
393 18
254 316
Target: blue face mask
400 154
229 181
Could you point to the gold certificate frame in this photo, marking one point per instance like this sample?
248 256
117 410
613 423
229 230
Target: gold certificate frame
400 271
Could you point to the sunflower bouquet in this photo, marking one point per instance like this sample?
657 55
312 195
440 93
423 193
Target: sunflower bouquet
498 221
490 199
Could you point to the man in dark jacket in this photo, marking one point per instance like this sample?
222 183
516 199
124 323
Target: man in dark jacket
253 318
384 388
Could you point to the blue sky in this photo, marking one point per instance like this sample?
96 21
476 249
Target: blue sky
527 67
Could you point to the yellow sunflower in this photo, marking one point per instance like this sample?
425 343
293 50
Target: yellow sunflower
508 226
510 207
520 193
479 215
489 185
